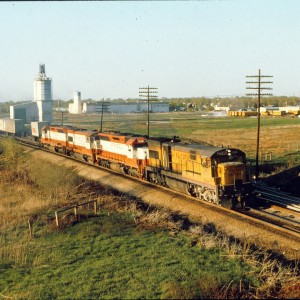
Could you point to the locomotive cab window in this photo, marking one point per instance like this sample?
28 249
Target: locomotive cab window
192 155
153 154
140 145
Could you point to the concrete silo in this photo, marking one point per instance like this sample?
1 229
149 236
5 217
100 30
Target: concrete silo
77 103
75 107
43 95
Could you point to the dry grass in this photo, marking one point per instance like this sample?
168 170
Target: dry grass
278 140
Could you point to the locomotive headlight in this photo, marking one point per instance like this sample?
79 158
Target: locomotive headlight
229 152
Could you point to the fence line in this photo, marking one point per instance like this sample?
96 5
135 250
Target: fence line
75 208
268 154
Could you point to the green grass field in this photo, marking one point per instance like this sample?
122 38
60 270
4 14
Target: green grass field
174 123
108 256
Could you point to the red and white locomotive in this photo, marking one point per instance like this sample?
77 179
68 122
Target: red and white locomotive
120 152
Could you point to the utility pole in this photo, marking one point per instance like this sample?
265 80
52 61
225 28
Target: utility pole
104 106
258 86
148 92
59 117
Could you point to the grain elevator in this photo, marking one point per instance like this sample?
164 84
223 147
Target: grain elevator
43 95
41 108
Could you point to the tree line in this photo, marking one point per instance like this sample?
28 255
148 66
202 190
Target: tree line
187 103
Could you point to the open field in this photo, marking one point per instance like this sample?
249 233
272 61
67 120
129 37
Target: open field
279 135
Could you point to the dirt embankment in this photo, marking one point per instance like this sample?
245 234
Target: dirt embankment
196 211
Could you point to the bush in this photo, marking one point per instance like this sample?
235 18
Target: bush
56 182
12 157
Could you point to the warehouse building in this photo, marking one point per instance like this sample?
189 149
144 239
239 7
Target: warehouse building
126 107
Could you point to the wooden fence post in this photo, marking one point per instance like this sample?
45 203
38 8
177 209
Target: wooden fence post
75 212
95 207
56 218
30 228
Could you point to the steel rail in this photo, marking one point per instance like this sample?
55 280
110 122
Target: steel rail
271 195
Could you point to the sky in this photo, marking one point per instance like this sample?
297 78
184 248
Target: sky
109 49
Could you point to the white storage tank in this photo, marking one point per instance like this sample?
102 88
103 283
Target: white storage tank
77 103
75 107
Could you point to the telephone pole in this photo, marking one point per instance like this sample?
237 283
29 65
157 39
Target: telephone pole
258 86
104 107
148 92
60 116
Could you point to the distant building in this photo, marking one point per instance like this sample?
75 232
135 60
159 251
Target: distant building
126 107
268 108
280 111
223 108
293 110
41 108
28 112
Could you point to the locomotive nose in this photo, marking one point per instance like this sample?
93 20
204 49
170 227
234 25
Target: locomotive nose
232 173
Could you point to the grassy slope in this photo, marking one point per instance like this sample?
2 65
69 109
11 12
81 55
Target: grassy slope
110 257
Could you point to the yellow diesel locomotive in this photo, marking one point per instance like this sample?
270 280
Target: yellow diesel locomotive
213 174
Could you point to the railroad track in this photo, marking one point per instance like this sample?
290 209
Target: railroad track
275 217
274 196
276 227
277 207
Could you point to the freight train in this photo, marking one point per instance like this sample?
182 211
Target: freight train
213 174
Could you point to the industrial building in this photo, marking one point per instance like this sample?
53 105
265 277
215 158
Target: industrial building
126 107
38 112
12 126
41 108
